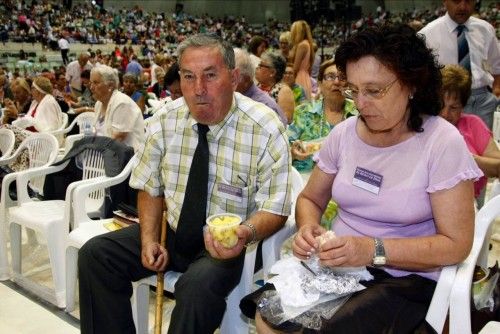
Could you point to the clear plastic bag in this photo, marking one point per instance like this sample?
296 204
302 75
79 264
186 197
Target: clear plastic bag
308 296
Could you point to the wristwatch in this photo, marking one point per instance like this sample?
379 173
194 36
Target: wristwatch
379 256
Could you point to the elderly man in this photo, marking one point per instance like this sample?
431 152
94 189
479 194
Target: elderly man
247 87
213 151
458 38
73 73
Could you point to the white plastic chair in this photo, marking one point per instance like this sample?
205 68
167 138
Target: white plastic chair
233 321
85 228
453 290
52 219
7 141
81 120
42 151
271 248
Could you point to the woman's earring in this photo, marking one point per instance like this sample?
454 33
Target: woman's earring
410 97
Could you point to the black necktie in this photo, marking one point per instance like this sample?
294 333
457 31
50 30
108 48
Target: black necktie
463 48
189 234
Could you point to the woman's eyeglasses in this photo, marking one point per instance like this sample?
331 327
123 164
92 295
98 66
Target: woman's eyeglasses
332 77
371 93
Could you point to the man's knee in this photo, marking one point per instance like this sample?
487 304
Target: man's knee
90 251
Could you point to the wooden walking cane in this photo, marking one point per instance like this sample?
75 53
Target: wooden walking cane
159 279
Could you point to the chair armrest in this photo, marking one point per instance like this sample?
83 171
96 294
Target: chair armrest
460 298
25 176
84 189
440 303
5 199
271 246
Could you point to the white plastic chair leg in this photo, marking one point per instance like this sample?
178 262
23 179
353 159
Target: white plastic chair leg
4 261
55 242
71 277
141 309
15 247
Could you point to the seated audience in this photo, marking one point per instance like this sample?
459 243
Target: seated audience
172 81
205 135
132 89
315 119
158 87
456 90
117 115
20 105
44 113
269 75
74 70
403 181
86 102
299 94
256 47
247 87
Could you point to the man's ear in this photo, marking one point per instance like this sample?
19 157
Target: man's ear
235 77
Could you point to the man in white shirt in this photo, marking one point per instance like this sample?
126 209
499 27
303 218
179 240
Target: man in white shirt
74 70
64 47
483 49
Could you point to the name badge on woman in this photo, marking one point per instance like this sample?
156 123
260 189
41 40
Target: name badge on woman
367 180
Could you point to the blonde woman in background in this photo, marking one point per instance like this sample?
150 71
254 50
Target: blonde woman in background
285 44
302 55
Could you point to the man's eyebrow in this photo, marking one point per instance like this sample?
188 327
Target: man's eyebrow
209 68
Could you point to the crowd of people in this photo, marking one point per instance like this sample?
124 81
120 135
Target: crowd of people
233 122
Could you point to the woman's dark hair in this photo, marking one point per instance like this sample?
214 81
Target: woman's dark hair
401 50
278 63
172 75
255 42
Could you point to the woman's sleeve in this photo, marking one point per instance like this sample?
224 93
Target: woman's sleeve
327 158
450 162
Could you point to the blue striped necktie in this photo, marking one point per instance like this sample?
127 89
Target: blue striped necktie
463 48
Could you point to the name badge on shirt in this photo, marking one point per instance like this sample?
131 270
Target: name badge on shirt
367 180
230 192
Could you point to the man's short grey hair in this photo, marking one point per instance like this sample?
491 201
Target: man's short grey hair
208 40
244 63
108 74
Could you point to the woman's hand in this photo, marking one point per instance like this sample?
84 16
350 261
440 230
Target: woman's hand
305 242
347 251
10 109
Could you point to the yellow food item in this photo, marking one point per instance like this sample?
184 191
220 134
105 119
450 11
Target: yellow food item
223 229
313 147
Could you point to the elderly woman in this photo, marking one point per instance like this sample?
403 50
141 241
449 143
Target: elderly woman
456 90
117 115
269 74
132 88
285 42
44 113
402 178
299 94
315 119
20 104
159 87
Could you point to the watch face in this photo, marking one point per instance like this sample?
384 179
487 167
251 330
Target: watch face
379 260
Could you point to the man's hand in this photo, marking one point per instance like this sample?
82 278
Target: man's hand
154 257
217 251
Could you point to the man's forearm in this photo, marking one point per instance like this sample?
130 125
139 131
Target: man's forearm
266 223
150 216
